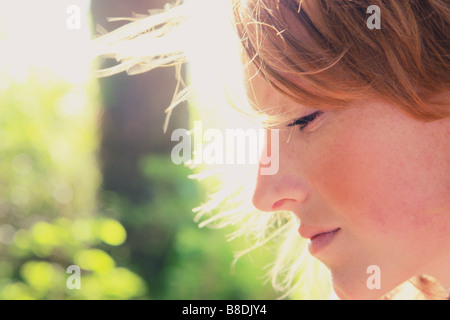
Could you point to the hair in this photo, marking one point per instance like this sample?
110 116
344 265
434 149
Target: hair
320 53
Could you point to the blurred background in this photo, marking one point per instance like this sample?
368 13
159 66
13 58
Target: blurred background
86 177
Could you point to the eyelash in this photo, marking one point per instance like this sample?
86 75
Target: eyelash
304 121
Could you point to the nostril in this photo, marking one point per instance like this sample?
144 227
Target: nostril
280 203
277 204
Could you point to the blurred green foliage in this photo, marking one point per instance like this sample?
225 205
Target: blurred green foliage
49 211
184 261
54 213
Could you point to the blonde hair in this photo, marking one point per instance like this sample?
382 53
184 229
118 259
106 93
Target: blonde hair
334 58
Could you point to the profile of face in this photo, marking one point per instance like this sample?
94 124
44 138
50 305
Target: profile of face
370 186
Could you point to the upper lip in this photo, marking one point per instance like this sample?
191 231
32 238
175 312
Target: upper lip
311 232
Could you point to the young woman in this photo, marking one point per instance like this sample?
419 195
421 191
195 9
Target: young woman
359 92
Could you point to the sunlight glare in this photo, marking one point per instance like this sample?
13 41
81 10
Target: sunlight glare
36 34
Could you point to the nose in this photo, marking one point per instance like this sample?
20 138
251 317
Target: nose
284 190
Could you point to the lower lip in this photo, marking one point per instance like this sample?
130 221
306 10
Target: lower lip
319 242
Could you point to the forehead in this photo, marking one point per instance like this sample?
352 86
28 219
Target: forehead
265 98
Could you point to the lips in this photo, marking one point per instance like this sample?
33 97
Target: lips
324 233
318 239
311 233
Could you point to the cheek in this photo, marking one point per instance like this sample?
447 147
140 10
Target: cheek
377 181
369 181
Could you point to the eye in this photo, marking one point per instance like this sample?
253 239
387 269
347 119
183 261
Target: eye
304 121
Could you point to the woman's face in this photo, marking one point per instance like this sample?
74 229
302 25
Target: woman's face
378 177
